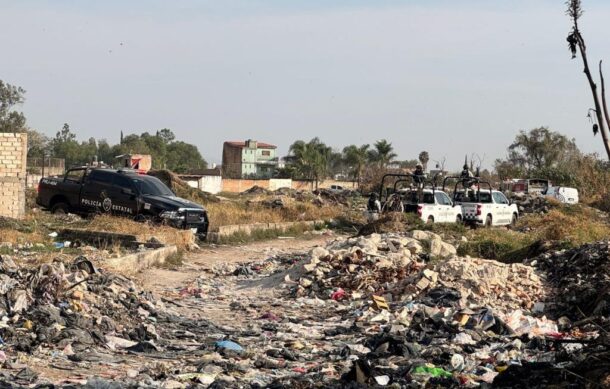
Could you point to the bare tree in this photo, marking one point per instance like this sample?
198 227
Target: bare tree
576 43
440 164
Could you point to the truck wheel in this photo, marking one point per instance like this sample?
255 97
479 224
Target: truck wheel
458 219
60 209
142 218
430 220
488 221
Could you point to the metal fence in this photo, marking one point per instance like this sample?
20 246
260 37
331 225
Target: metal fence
46 166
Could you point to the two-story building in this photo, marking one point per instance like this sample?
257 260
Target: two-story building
249 159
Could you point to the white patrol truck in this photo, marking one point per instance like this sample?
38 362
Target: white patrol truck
421 197
486 207
433 206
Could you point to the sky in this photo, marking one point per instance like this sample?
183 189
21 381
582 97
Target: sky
449 77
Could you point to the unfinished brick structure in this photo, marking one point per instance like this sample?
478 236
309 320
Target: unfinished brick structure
13 157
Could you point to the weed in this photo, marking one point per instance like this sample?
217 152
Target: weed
242 237
498 244
174 261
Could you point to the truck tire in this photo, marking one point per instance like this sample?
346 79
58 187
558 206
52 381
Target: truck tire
60 208
488 221
430 220
458 219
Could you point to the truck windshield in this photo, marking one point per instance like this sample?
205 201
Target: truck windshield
473 197
152 186
412 197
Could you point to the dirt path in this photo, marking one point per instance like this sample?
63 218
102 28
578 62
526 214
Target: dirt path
220 299
157 280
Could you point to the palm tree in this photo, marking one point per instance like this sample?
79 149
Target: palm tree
383 153
424 157
310 159
356 157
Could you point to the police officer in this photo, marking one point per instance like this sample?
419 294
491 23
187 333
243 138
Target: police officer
374 205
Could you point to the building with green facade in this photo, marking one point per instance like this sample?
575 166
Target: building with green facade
249 159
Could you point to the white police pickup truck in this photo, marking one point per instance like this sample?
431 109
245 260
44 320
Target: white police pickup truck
434 206
486 207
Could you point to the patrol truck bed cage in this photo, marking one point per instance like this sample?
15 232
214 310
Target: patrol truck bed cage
401 178
466 182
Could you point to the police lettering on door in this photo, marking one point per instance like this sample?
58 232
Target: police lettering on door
106 205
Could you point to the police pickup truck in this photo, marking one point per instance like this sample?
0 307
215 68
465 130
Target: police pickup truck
87 190
486 207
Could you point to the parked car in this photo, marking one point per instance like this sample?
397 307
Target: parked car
563 194
87 190
336 188
486 207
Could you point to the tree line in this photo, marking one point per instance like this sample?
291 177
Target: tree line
167 152
316 161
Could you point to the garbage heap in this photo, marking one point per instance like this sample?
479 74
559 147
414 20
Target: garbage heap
84 315
425 317
580 278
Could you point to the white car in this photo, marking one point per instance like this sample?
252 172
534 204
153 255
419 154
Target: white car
336 188
489 208
563 194
436 206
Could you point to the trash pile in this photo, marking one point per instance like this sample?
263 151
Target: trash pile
581 279
75 316
385 310
450 322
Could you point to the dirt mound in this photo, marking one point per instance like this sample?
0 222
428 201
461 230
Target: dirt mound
256 190
182 189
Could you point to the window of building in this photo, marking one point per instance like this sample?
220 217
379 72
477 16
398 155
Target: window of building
266 153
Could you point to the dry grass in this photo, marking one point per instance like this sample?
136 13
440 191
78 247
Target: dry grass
562 227
573 225
239 212
168 235
36 227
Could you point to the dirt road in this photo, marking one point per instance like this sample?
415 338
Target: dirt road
157 280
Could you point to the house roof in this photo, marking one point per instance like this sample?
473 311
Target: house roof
260 145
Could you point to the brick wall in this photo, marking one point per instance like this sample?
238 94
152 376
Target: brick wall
13 157
238 186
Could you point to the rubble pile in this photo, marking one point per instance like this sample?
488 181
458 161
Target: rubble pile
534 203
395 265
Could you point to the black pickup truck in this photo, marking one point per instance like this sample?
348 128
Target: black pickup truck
89 190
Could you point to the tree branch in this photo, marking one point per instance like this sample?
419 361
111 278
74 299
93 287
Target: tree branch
605 106
603 128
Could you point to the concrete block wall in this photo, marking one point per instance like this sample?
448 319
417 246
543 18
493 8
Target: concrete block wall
13 160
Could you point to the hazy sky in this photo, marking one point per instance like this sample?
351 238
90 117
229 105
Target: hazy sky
450 77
